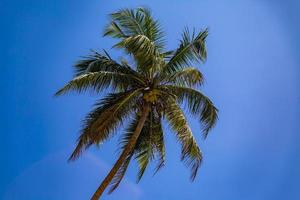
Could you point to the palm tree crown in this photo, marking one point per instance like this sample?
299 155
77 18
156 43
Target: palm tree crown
149 89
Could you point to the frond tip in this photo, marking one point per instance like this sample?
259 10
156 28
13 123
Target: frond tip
190 152
192 48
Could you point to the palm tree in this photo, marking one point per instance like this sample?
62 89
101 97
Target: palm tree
145 91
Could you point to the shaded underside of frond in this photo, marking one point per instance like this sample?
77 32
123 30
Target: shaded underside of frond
190 152
120 174
102 122
198 104
150 144
97 81
98 61
189 77
143 50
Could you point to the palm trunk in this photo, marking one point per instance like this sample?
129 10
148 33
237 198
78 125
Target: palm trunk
128 148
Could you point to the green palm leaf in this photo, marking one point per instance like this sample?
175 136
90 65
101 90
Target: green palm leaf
189 77
190 152
103 62
140 35
145 91
102 122
143 49
150 144
192 48
100 80
199 105
120 174
132 22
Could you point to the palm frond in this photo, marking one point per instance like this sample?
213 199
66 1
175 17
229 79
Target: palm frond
114 30
95 62
198 104
192 48
120 174
145 93
150 143
153 29
159 144
189 76
131 22
190 152
100 80
143 50
167 54
140 35
103 62
102 122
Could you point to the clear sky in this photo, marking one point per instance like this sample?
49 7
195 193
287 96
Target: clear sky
252 75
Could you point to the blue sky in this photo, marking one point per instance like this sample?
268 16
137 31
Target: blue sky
252 75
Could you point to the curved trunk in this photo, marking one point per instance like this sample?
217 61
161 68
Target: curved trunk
129 147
